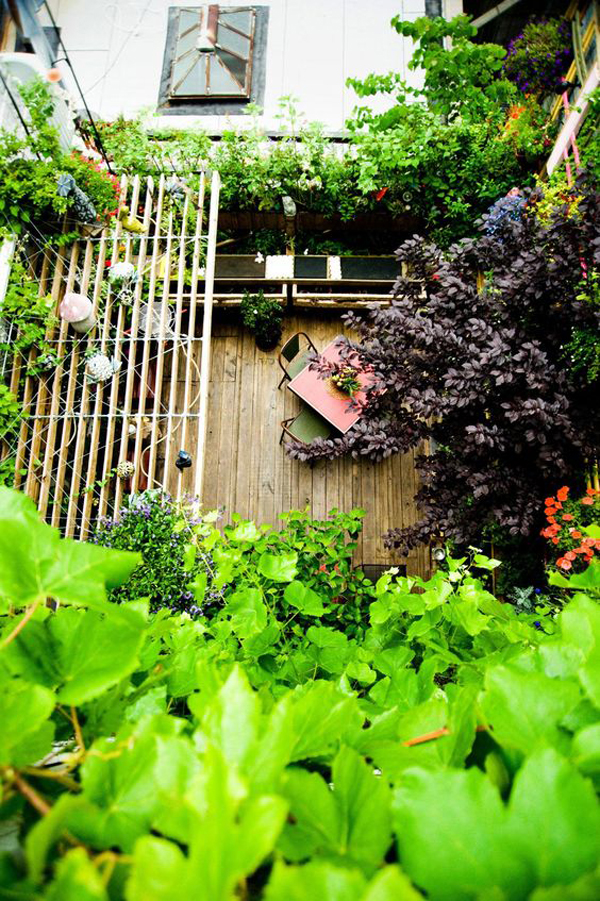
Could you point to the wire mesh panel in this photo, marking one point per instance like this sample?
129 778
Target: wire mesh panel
117 403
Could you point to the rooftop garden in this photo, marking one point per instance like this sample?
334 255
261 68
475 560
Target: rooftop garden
200 708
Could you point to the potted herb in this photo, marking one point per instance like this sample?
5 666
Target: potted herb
345 379
263 316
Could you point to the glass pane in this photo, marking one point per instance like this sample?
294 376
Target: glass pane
230 40
242 19
194 84
237 67
187 42
221 81
187 18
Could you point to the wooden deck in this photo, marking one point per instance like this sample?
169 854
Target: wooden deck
248 472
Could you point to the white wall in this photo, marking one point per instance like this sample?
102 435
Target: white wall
312 47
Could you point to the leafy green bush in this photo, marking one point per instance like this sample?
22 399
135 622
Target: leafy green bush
137 755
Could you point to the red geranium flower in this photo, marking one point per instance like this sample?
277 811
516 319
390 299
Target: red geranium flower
587 500
562 493
567 517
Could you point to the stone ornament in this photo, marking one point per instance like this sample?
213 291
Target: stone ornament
78 311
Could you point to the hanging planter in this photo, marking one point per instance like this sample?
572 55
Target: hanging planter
78 311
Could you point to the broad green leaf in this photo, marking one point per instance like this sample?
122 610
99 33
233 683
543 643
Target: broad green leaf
391 884
231 720
304 599
229 840
246 531
157 867
248 612
35 562
525 709
46 832
363 801
24 708
77 879
554 819
586 888
580 623
349 822
314 882
274 748
278 567
322 716
78 653
122 786
452 836
585 750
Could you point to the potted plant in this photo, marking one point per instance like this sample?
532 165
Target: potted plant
345 379
263 315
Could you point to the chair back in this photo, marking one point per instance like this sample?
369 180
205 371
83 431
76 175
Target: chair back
291 348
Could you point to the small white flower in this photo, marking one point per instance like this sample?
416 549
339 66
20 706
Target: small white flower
259 258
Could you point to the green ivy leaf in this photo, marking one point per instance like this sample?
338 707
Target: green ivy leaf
248 612
304 599
77 879
78 653
278 568
36 563
525 709
24 708
447 845
554 819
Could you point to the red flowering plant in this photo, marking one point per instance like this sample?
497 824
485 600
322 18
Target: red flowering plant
568 528
101 188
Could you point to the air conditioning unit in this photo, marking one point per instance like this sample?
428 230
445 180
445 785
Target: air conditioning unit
21 68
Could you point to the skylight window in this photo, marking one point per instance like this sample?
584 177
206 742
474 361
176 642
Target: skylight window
213 53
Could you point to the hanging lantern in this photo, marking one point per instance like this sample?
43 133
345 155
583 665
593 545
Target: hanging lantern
183 461
78 311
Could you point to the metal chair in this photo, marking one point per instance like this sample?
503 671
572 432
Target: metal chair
305 426
295 356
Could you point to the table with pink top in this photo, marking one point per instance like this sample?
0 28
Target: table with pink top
339 410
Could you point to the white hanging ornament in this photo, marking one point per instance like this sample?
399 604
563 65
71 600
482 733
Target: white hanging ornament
99 368
78 311
125 469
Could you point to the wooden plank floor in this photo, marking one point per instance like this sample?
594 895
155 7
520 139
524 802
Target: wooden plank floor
249 473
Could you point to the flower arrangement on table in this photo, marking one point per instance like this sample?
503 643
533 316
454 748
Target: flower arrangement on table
345 379
572 527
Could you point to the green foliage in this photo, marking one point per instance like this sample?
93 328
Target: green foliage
583 349
141 753
29 170
263 316
455 148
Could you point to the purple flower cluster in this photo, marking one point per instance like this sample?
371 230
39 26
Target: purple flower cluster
507 209
161 529
538 59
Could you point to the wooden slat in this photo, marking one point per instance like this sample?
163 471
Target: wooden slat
97 392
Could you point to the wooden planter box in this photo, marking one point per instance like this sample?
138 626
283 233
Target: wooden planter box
309 269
